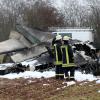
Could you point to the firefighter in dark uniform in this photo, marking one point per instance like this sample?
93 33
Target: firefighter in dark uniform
67 59
58 57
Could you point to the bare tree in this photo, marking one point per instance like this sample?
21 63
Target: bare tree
10 13
43 15
95 20
76 15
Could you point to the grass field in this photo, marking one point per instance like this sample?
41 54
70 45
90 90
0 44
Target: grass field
47 89
88 91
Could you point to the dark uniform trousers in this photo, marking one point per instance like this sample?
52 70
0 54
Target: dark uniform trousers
71 70
59 72
58 62
68 62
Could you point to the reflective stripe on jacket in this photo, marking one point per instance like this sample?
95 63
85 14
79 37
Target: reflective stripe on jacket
57 54
67 56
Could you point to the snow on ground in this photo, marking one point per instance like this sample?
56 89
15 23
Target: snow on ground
35 74
30 62
81 77
6 64
69 83
30 74
27 62
98 81
99 91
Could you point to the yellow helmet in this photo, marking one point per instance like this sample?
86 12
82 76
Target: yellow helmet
58 37
66 38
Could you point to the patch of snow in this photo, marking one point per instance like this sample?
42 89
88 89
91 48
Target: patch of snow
6 64
90 85
30 81
35 74
92 47
31 64
81 77
64 82
46 84
70 83
85 56
99 91
83 83
29 74
58 89
98 81
34 62
64 87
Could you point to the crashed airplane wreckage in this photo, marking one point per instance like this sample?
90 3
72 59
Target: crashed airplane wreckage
87 58
26 44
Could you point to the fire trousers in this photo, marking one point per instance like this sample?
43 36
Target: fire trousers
59 72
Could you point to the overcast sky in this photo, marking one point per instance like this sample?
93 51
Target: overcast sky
59 3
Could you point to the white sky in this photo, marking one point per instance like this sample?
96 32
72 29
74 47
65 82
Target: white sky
59 3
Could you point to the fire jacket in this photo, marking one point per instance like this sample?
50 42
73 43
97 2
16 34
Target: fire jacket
67 56
57 54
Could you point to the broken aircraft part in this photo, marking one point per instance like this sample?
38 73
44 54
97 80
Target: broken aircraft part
25 43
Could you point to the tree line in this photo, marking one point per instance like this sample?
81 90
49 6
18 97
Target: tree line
41 14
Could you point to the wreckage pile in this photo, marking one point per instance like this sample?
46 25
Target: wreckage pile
85 56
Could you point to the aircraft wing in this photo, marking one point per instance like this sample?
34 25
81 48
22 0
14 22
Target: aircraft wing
34 51
11 45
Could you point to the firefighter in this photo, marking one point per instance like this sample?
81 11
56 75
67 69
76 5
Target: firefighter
58 57
67 59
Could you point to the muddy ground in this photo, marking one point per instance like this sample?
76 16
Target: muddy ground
47 89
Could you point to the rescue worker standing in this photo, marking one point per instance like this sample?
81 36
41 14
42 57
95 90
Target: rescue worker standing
67 59
58 57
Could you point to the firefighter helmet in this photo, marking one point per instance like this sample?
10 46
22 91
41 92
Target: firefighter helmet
66 38
58 37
